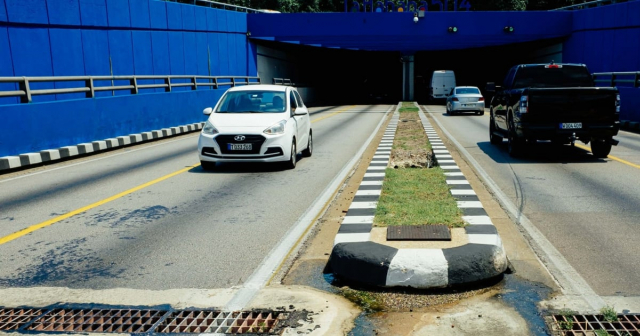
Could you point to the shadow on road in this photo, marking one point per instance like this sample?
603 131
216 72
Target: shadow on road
541 152
244 167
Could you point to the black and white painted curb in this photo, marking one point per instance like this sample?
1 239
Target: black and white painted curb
52 155
354 257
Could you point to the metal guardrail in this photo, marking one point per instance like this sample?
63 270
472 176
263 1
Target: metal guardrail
25 92
222 5
614 78
283 81
591 4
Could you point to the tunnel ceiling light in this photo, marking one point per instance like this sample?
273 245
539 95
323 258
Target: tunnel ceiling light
508 29
453 29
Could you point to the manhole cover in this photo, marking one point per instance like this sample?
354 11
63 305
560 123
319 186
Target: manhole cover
14 318
419 232
201 321
587 325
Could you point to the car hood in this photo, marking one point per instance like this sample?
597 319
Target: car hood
263 120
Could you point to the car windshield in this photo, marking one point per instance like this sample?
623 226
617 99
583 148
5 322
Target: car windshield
543 77
467 91
252 102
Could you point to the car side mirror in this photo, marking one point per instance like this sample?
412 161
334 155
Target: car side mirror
207 111
299 112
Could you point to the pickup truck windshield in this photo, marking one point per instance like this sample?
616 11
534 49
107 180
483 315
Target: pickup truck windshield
541 77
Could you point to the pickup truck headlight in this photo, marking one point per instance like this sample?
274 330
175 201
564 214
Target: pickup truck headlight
277 128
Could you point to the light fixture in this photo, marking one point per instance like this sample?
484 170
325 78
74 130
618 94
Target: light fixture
508 29
415 18
453 29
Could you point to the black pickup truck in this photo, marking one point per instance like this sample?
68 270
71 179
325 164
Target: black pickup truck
557 102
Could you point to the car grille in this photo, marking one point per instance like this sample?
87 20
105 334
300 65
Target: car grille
224 140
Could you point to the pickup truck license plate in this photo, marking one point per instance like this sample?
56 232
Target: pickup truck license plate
570 125
240 146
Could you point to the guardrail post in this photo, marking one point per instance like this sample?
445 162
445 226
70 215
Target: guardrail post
233 81
637 81
613 79
215 83
167 81
134 82
92 92
194 81
24 86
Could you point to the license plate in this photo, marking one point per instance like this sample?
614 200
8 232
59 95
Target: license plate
240 146
570 125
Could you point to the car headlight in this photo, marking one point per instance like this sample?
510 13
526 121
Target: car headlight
277 128
209 129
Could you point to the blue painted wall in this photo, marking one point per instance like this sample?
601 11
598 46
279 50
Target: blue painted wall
606 39
112 37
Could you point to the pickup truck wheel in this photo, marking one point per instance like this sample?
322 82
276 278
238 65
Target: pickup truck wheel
496 140
516 145
600 148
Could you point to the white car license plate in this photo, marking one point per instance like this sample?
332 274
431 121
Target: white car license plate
240 146
570 125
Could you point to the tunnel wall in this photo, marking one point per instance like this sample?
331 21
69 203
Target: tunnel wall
112 37
606 40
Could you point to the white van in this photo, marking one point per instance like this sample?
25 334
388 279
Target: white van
442 82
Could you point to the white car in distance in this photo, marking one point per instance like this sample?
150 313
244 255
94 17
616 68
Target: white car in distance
465 99
256 123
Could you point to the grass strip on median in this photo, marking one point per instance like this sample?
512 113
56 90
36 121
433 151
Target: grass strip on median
415 196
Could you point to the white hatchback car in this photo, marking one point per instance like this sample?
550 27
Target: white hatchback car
465 99
256 123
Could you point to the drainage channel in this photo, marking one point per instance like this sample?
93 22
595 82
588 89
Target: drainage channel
141 321
584 325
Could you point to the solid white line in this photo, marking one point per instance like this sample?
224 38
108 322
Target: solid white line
438 147
371 183
457 182
368 192
462 192
276 256
449 167
569 280
374 174
469 204
357 220
477 220
446 161
363 205
100 158
381 157
441 151
454 174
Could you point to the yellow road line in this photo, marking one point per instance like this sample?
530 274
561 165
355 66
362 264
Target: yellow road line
332 114
612 157
52 221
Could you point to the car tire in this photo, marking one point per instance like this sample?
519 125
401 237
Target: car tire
495 139
293 158
480 112
209 166
307 152
448 111
515 145
600 148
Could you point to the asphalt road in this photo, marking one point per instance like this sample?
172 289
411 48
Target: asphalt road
588 208
195 229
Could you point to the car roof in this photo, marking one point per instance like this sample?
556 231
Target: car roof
260 87
543 64
463 87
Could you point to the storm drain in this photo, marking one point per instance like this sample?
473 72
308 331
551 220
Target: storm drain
15 318
586 325
98 320
201 321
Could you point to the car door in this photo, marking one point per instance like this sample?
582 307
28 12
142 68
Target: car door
305 121
293 105
500 109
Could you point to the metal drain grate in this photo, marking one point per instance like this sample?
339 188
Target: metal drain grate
587 325
98 320
14 318
203 321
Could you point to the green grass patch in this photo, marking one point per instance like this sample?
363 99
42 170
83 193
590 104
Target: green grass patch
415 196
369 302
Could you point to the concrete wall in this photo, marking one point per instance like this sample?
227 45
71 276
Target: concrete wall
606 39
112 37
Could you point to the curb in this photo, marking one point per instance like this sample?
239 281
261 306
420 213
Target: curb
54 155
354 257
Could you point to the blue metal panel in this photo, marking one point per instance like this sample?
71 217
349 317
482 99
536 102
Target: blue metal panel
243 43
622 59
632 39
212 20
188 17
214 53
158 14
64 12
6 67
27 11
252 62
190 56
223 54
222 20
3 11
118 13
176 55
174 15
66 49
609 19
93 13
579 20
621 14
202 54
160 53
633 10
242 23
139 10
121 53
143 57
31 55
201 18
232 54
593 18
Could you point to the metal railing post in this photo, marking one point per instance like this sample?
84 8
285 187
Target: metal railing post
24 86
613 79
215 83
233 81
636 83
194 81
134 82
89 83
167 82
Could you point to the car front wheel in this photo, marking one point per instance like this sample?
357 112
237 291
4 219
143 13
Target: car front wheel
309 150
293 159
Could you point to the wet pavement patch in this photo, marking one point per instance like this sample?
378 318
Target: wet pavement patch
524 296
